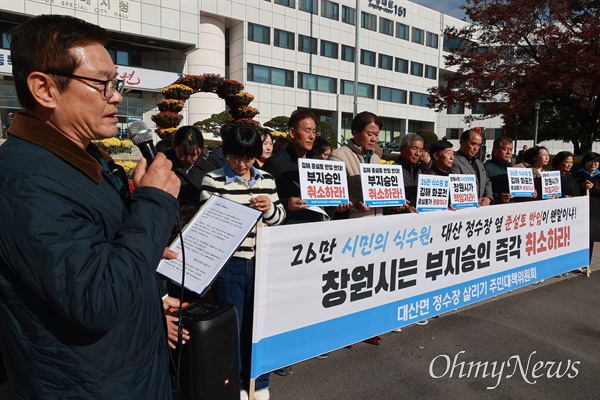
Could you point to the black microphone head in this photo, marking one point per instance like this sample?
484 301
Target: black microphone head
139 132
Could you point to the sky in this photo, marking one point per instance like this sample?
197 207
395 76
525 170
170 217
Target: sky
449 7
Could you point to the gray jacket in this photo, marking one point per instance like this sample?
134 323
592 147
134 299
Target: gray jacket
463 166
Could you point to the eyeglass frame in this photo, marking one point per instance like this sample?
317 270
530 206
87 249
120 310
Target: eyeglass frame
118 84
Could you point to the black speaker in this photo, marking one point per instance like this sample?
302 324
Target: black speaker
210 361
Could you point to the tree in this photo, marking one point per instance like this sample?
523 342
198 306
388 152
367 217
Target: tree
428 135
523 51
554 124
214 123
279 124
326 131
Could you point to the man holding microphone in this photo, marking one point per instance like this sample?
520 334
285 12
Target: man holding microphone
79 304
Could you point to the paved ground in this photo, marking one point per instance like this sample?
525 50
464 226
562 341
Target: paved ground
559 320
556 323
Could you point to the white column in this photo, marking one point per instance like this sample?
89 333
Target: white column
208 58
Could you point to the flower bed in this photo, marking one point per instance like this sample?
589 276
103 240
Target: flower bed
192 81
167 119
177 92
114 146
279 134
172 105
128 166
175 95
212 82
229 88
244 112
166 133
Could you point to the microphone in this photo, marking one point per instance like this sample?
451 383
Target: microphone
141 135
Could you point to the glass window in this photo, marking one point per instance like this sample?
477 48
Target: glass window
417 35
386 62
364 89
5 27
287 3
368 21
386 26
307 44
284 39
5 40
330 10
119 52
310 6
259 73
132 105
456 109
347 53
8 96
430 72
431 40
282 77
452 133
402 31
270 75
401 65
419 99
347 87
326 84
416 68
316 82
392 95
479 108
329 49
307 81
451 43
259 33
367 58
348 15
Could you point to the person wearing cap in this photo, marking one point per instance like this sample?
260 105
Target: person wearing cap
442 157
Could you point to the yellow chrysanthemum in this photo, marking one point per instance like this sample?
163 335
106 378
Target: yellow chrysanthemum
128 166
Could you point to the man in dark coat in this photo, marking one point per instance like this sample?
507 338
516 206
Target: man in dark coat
79 303
466 162
496 169
442 157
411 150
283 166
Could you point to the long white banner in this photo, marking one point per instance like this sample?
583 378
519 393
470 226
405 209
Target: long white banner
322 286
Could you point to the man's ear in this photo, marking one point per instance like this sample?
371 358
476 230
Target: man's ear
43 89
290 133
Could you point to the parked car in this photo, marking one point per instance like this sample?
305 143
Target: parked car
391 147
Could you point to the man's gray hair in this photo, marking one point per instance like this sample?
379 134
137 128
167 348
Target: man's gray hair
408 139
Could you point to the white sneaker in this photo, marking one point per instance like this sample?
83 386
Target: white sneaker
243 395
423 322
262 394
397 330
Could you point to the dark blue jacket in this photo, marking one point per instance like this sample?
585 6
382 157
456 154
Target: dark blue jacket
80 309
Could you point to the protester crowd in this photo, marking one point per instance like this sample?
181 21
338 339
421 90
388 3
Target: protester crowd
77 281
416 157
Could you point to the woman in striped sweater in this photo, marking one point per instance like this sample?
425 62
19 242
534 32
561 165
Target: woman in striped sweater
241 182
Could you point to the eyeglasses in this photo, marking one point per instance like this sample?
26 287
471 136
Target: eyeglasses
110 85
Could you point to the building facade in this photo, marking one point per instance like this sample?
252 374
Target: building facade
289 54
